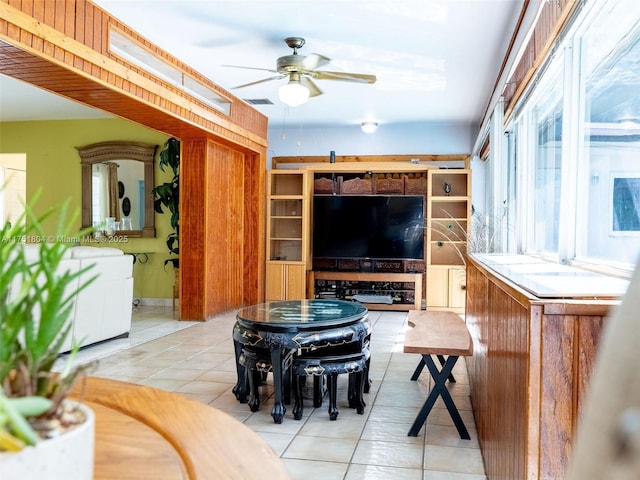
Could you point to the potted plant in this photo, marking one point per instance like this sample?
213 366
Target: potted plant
36 297
167 195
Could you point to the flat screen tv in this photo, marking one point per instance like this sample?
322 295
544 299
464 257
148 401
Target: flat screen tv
369 226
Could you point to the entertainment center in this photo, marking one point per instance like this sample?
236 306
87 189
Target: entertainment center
371 231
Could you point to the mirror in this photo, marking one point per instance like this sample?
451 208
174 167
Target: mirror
117 179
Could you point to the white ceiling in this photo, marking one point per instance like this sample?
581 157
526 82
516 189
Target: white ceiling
436 61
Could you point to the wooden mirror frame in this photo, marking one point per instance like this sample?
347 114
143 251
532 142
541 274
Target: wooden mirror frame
106 151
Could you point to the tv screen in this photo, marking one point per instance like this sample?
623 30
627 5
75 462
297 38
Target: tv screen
371 226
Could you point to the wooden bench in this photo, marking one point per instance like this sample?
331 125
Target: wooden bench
440 334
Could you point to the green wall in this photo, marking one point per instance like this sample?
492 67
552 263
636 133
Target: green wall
53 165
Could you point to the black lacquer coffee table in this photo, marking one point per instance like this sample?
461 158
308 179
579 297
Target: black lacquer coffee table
289 327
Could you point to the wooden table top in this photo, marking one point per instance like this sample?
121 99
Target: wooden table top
434 332
147 433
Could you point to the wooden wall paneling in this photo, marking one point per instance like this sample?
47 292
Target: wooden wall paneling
551 21
225 230
254 253
245 125
533 398
193 224
557 386
529 373
589 333
62 46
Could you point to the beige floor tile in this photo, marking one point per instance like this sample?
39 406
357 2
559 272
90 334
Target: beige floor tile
277 441
388 454
321 449
376 472
198 387
321 426
262 422
435 475
391 432
177 374
216 376
197 360
170 385
311 470
445 435
441 416
453 459
386 414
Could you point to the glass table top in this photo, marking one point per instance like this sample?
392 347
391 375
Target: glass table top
300 313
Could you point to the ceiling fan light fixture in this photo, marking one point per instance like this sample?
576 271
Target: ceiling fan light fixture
293 94
369 127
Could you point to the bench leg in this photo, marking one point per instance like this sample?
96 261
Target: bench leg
420 366
451 378
439 389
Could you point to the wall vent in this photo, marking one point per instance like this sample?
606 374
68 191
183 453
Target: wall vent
258 101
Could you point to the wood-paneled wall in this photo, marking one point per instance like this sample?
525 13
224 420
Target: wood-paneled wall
552 19
531 364
63 47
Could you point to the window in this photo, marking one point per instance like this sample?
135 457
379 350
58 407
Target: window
546 167
609 97
625 205
578 152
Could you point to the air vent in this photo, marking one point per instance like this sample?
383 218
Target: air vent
258 101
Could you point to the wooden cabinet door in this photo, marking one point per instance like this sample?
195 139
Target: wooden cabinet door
295 282
285 282
437 287
457 287
274 288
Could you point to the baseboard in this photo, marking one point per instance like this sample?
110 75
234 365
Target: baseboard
154 302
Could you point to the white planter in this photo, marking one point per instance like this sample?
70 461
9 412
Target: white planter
68 457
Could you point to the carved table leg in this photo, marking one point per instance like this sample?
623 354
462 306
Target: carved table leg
332 386
278 410
241 386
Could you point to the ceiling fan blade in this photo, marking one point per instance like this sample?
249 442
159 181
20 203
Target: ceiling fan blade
313 61
251 68
314 91
344 76
278 77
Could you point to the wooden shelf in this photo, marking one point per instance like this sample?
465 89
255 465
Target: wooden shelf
447 193
448 223
288 197
407 285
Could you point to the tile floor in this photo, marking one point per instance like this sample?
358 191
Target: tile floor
196 360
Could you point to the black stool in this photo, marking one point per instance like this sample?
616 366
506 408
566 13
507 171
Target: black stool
257 364
331 364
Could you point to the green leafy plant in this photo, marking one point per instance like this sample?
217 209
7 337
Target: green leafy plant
167 195
36 299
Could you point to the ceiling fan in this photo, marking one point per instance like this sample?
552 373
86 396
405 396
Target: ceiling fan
301 69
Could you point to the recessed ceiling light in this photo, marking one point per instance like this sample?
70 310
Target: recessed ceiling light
369 127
